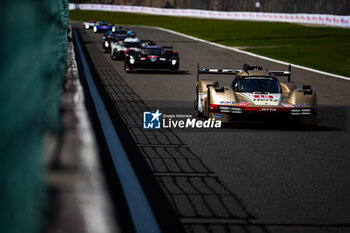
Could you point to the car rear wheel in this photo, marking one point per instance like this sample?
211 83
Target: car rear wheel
113 55
127 69
308 121
118 56
197 113
207 106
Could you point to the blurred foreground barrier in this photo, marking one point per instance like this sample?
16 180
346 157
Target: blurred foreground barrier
331 20
33 61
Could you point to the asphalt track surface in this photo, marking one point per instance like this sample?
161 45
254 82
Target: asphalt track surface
249 177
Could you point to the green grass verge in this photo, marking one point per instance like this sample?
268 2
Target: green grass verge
322 48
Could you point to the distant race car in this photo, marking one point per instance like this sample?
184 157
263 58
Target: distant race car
90 24
119 48
119 35
103 26
131 34
106 41
255 94
152 56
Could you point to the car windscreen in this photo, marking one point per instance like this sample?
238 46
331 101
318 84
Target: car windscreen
132 44
120 31
152 51
118 37
257 84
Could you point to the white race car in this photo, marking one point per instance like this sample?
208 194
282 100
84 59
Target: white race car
118 48
255 94
90 24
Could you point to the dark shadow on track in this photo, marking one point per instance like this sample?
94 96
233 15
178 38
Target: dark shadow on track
203 203
161 72
200 200
279 126
330 118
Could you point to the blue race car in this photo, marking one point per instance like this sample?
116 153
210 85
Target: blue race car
103 26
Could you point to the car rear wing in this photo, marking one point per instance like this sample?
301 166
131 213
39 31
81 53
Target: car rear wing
168 47
283 73
146 41
245 68
218 71
215 71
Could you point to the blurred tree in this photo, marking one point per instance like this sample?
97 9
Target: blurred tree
33 60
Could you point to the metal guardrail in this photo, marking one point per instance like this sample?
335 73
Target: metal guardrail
140 210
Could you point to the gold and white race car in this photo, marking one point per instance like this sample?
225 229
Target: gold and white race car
255 94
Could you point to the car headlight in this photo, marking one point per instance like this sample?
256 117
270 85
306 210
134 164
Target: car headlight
86 26
113 29
95 29
106 44
132 60
302 111
229 109
173 62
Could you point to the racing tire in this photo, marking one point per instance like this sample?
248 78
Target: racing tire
105 50
119 56
127 70
196 112
308 121
175 70
208 105
113 56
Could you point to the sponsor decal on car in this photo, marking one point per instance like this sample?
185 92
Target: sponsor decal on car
225 102
219 116
303 105
261 99
287 105
265 98
153 58
243 104
268 109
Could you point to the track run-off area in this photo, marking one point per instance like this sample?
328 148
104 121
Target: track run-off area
249 177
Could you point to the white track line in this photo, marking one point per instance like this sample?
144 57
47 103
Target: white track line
248 53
